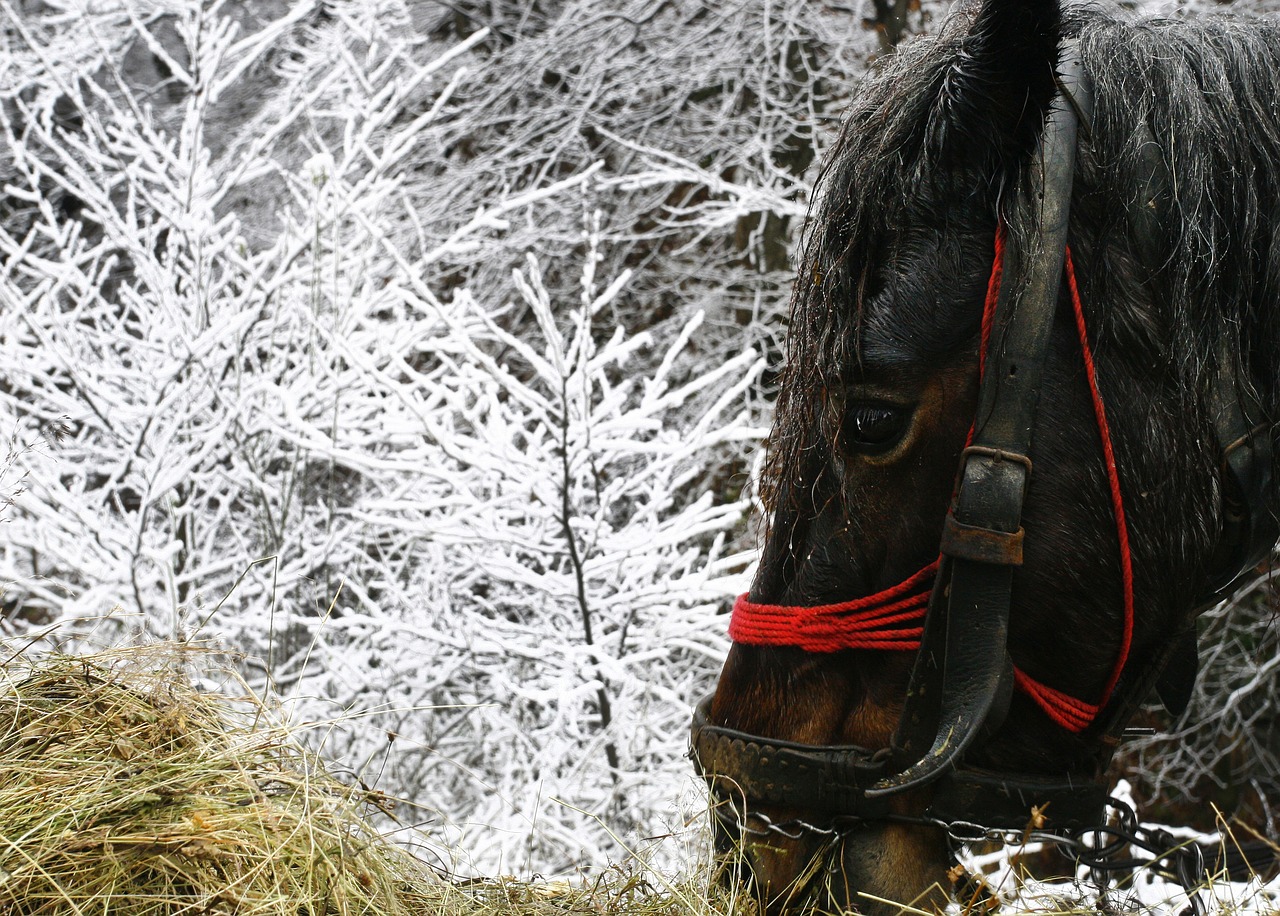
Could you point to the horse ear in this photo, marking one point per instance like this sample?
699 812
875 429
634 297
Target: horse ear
995 97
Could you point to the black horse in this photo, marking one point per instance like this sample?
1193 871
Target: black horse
1026 431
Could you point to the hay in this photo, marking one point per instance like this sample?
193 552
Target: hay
126 790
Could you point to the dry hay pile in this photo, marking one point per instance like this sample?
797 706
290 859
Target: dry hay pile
126 790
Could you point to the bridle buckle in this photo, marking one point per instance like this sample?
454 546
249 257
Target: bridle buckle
997 454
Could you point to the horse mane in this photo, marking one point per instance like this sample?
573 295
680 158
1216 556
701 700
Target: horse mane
1201 94
1185 124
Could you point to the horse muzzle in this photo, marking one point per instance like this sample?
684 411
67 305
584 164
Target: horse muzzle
881 869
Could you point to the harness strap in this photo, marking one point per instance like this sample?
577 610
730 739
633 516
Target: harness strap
1005 801
743 766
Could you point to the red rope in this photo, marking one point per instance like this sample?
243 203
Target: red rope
989 303
1071 713
874 621
1113 481
871 622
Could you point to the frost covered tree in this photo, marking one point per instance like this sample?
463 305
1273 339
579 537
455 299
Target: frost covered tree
417 351
1223 752
333 331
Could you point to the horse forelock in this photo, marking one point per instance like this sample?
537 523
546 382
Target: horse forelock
887 161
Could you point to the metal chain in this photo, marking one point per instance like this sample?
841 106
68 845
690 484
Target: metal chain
1108 849
794 829
1105 849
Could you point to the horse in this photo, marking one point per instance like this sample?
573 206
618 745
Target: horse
1025 432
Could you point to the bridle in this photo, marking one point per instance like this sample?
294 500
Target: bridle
956 612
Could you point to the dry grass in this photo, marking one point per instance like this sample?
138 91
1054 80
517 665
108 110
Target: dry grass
126 790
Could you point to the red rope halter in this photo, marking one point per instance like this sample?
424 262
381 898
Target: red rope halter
893 619
873 622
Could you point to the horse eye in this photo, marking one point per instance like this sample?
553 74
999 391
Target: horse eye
873 428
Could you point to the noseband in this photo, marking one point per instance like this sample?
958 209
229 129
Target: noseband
955 612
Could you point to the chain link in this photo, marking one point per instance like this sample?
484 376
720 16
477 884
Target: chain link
794 829
1105 849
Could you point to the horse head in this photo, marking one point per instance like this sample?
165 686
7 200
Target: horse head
1025 432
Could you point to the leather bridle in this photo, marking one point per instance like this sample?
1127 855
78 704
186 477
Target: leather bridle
963 677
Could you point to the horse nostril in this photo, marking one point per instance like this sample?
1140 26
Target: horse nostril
1013 370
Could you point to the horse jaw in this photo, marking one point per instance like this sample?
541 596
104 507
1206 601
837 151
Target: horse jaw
893 868
885 870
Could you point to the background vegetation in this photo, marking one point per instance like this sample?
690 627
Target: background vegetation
421 351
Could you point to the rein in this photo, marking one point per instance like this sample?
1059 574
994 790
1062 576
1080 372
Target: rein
893 619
